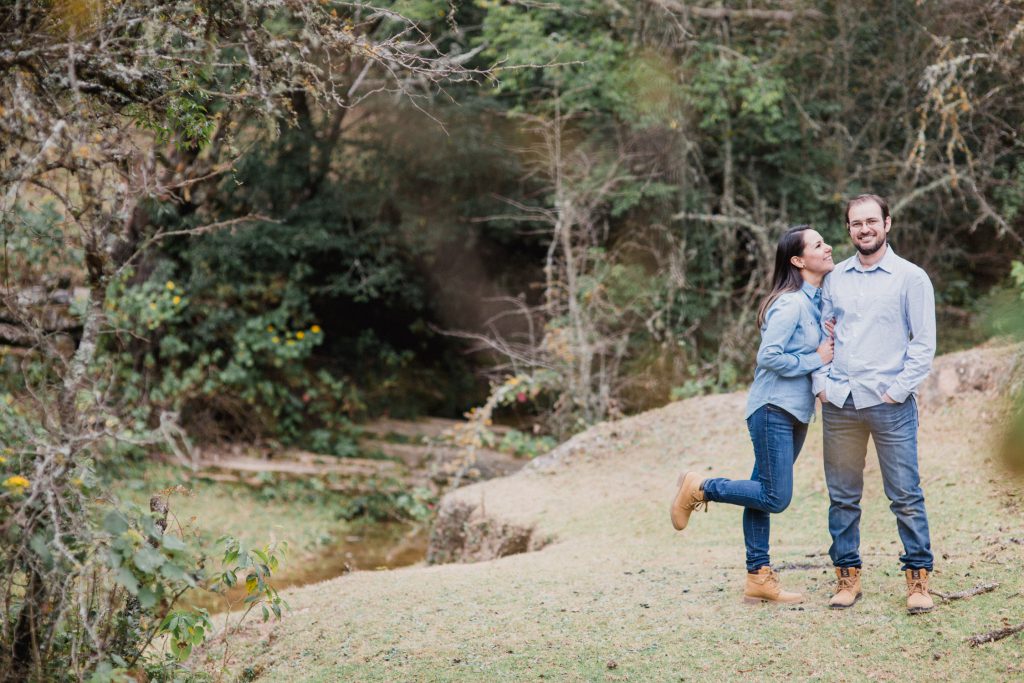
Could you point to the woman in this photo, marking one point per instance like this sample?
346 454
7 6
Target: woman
779 407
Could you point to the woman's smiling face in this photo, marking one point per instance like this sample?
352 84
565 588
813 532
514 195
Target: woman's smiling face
817 256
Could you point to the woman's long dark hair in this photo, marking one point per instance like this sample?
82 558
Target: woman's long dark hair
786 277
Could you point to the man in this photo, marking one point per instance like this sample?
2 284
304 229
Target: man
884 312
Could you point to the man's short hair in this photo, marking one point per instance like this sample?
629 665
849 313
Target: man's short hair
861 198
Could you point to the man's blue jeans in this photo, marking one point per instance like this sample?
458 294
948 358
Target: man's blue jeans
778 438
894 430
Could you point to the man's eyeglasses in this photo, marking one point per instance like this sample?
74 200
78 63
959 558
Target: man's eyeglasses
871 223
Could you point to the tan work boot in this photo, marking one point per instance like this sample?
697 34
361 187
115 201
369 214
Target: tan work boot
848 588
764 587
688 498
918 599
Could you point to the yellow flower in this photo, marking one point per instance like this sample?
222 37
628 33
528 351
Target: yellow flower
152 305
2 460
270 328
275 340
16 483
170 285
290 342
315 329
300 334
176 300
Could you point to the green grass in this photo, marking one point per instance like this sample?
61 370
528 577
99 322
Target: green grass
321 543
286 511
619 595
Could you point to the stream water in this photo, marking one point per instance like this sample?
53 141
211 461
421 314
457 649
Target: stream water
375 546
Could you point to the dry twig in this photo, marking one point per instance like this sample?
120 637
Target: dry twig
977 590
993 636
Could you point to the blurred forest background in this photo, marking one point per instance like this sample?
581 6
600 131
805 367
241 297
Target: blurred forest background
268 222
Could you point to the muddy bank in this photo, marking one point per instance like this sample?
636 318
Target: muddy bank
367 547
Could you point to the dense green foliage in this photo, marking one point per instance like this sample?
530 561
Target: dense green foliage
686 142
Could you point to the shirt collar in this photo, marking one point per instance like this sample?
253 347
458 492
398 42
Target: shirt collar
888 262
813 293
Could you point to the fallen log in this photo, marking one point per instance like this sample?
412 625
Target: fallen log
342 466
349 486
425 428
420 456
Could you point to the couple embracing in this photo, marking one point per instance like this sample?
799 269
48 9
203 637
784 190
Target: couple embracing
860 336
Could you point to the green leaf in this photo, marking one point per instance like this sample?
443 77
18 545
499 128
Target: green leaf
169 623
128 580
114 523
41 548
182 649
171 571
147 598
171 542
148 559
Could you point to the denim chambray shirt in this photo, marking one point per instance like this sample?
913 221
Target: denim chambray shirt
788 354
885 331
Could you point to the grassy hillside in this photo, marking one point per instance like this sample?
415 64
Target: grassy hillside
618 595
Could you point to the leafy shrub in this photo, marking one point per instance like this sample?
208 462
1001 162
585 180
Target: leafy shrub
524 445
417 504
113 586
229 362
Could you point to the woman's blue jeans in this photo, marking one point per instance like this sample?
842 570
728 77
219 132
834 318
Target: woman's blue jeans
778 438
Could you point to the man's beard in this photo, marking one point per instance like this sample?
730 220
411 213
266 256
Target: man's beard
868 251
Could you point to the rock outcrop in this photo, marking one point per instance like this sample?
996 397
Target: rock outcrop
464 532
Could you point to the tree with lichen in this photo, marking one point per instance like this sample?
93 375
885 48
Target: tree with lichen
107 109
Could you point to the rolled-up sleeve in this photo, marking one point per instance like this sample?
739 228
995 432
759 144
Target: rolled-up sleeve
780 324
920 316
819 379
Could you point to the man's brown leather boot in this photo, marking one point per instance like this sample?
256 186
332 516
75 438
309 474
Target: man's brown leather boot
688 498
764 587
918 599
847 589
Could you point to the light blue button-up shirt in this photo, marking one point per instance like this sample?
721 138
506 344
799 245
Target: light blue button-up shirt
885 330
788 353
